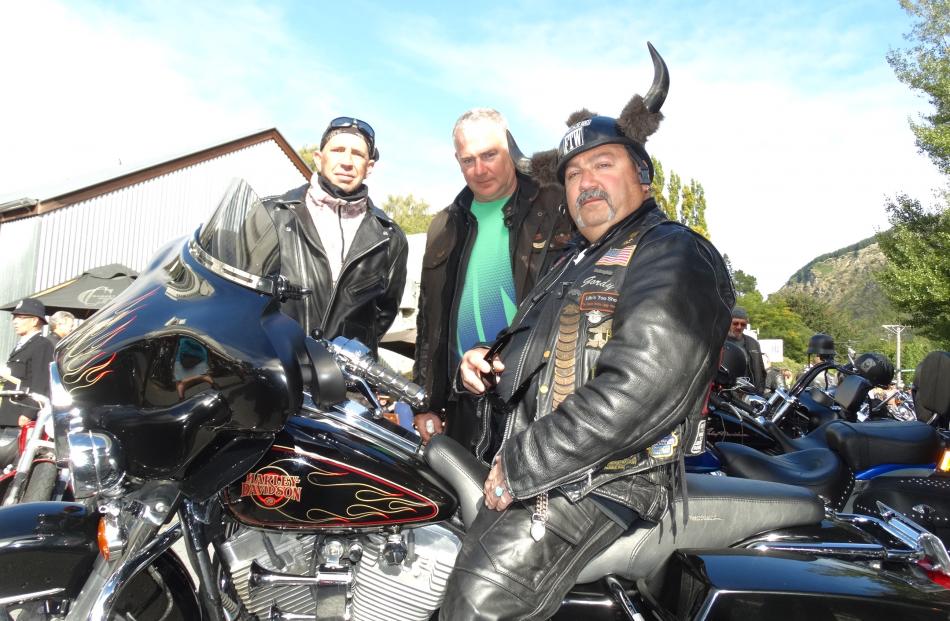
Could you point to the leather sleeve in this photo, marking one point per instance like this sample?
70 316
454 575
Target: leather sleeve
669 324
388 303
37 371
430 342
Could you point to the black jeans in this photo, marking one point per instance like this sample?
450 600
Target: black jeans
502 573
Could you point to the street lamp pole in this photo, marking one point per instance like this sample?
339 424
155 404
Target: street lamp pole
897 329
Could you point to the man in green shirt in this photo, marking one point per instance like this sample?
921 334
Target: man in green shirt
484 253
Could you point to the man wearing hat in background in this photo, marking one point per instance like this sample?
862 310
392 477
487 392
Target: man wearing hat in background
28 363
751 347
336 243
602 377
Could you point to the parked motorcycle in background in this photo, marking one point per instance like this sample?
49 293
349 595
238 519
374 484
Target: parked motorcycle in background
29 471
294 501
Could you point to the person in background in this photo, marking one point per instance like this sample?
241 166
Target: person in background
821 349
751 347
336 243
774 376
484 253
61 323
27 368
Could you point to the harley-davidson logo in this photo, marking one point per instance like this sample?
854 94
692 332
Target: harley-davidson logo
271 487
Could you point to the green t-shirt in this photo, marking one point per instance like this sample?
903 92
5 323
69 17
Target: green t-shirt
488 301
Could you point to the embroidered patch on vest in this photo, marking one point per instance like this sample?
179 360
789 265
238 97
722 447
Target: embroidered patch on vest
620 464
617 256
598 300
664 447
598 335
699 440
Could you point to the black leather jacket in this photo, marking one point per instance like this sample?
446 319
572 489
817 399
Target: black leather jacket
30 365
624 345
366 298
540 231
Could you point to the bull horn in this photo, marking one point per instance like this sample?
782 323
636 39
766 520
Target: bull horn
661 82
522 163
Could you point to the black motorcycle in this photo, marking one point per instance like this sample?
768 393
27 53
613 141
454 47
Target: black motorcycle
198 413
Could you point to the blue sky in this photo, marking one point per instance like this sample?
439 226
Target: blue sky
787 113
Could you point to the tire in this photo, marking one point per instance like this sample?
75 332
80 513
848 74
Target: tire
42 479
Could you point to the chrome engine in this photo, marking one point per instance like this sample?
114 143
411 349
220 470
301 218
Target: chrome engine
356 577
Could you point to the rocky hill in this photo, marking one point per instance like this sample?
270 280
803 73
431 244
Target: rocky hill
845 280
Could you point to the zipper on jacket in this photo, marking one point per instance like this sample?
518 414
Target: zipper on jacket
343 268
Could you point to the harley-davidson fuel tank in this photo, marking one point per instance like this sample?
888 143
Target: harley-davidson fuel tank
322 473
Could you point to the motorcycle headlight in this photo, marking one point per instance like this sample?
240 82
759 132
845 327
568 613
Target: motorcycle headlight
95 461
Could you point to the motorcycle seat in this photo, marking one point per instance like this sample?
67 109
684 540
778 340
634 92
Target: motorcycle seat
818 469
722 512
814 439
872 443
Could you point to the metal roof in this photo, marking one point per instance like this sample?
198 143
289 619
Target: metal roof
66 192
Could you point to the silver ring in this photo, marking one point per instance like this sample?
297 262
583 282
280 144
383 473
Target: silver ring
499 491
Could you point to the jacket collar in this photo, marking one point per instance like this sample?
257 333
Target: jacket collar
376 223
299 196
526 191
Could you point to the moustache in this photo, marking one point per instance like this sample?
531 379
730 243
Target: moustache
589 194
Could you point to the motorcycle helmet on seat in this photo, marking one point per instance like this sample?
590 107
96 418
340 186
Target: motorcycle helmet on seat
875 368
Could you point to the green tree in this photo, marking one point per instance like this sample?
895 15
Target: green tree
306 153
684 203
411 214
925 67
744 283
773 319
917 276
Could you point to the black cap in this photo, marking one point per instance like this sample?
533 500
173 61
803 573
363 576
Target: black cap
30 307
594 132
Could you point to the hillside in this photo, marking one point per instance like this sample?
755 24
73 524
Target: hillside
845 280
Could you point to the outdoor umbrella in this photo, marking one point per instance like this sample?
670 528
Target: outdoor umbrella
84 294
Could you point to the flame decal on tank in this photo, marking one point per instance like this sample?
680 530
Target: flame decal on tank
382 503
85 361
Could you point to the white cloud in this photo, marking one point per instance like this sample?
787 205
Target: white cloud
93 90
795 148
794 134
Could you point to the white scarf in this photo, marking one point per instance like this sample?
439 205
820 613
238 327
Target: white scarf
337 221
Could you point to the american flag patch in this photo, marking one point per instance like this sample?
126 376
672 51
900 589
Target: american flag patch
617 256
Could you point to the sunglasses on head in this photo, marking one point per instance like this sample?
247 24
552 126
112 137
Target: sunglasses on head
363 127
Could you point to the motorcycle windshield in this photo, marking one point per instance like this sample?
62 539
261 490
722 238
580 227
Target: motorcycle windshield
239 242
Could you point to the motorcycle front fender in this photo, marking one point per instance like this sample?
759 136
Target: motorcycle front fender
46 549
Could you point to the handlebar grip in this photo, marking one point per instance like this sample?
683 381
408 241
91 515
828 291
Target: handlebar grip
358 360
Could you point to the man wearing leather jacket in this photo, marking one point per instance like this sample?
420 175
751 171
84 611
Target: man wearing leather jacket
336 243
483 254
604 373
753 351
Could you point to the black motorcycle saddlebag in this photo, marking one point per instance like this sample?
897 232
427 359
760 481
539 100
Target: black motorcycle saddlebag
924 500
872 443
747 584
46 546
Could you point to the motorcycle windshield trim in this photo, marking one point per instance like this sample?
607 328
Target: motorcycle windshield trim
239 241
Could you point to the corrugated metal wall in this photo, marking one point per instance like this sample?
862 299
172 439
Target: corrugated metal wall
127 226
